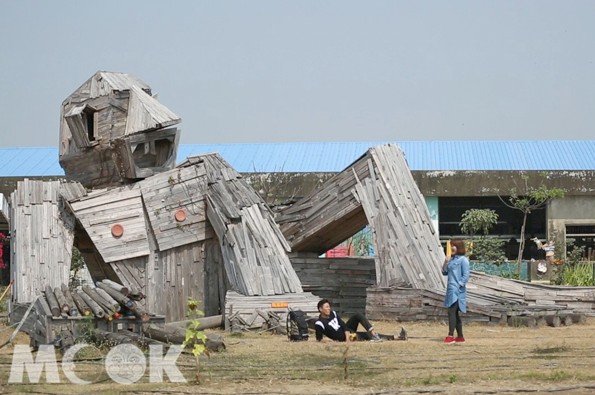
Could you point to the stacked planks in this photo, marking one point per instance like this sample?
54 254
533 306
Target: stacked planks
42 237
489 298
377 189
409 304
342 280
328 216
253 247
178 191
406 242
256 312
99 211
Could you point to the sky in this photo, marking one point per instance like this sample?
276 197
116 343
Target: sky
285 71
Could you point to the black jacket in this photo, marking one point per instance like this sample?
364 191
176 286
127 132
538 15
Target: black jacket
332 327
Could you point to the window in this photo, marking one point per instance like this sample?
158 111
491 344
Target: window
89 116
82 122
581 236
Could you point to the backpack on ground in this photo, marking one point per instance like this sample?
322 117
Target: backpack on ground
297 326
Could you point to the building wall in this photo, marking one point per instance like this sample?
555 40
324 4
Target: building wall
278 188
571 210
493 183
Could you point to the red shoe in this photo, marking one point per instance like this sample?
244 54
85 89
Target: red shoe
449 340
459 340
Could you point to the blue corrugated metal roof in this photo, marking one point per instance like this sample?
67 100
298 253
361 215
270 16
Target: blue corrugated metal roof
572 155
29 162
421 155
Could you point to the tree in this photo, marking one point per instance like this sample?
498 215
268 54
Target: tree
528 199
475 221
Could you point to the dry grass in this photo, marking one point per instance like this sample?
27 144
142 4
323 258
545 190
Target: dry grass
494 359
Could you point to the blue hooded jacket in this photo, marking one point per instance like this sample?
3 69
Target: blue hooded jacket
456 287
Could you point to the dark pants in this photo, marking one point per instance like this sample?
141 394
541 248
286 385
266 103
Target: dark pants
355 321
454 320
358 319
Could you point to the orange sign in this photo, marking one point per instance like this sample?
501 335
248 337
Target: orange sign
279 305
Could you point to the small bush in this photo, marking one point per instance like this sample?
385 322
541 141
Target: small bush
574 271
579 275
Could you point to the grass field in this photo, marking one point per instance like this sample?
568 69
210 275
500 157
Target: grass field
495 359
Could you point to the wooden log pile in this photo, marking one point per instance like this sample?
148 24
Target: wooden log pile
106 301
56 317
56 314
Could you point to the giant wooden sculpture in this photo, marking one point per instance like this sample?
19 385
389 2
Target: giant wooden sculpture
197 230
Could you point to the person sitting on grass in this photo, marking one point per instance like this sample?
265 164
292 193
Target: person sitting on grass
330 326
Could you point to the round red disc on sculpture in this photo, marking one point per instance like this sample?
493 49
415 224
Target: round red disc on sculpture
180 215
117 230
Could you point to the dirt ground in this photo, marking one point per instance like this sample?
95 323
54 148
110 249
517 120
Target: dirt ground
495 359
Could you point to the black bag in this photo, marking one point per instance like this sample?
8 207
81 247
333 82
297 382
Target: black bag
297 326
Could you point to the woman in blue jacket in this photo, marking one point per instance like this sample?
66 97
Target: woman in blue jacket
456 267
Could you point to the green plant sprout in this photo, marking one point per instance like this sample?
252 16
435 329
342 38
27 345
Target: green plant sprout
195 339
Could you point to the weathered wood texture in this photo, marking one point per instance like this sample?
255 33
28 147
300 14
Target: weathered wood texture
378 190
180 190
167 276
93 168
160 236
342 280
150 152
45 328
124 160
99 211
326 217
177 335
96 266
490 298
146 113
174 276
132 273
253 248
258 312
112 132
41 242
577 299
407 244
216 281
350 284
408 304
408 250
